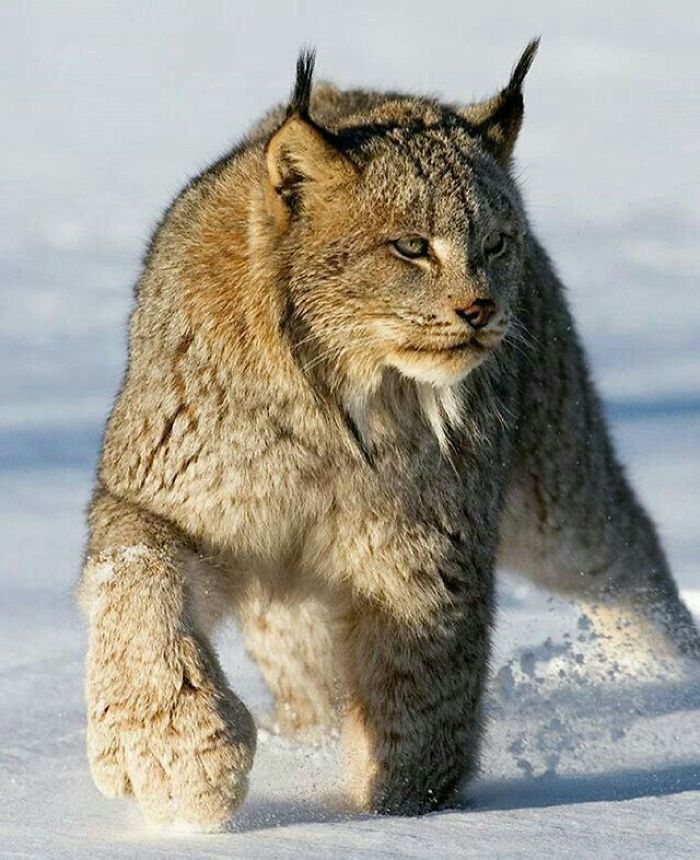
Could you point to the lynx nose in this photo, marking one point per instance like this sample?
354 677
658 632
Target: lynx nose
478 313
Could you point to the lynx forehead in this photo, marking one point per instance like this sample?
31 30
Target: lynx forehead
328 430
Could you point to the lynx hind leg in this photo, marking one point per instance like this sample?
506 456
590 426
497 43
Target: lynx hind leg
162 721
293 647
605 556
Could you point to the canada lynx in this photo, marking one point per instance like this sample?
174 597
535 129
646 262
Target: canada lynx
353 385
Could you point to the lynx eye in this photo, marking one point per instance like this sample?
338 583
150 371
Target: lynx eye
410 247
494 243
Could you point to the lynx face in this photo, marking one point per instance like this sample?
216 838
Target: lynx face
414 264
403 231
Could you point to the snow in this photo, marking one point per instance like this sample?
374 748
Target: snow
109 108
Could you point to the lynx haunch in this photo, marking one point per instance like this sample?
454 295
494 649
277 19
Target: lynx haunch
353 388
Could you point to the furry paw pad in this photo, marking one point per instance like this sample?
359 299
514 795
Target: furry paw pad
187 764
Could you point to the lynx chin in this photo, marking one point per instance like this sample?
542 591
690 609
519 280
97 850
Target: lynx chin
353 388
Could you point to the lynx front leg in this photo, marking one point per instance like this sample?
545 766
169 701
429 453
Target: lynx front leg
162 722
414 724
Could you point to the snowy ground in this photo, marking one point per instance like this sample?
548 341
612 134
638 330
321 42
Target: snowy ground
111 107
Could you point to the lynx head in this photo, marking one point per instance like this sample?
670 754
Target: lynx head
401 230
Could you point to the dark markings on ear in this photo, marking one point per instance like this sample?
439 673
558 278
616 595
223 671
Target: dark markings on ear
509 106
497 120
300 151
301 94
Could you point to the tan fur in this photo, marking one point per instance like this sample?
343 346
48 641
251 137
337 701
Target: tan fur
311 436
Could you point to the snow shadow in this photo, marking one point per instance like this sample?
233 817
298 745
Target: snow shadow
47 446
493 796
554 790
496 796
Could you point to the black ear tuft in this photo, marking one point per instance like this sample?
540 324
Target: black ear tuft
522 67
497 120
301 94
300 153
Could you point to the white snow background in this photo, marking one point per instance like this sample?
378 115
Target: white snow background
108 108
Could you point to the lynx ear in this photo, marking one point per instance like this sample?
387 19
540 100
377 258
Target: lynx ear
300 151
497 120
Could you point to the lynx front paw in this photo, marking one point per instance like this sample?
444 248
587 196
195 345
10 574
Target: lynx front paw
187 765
